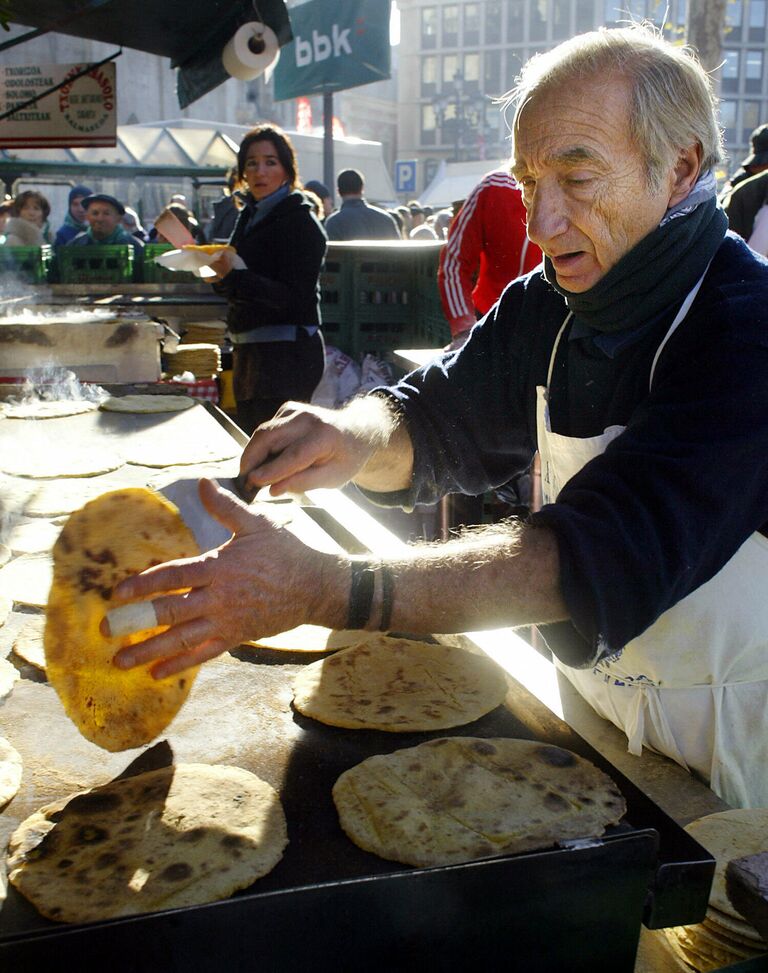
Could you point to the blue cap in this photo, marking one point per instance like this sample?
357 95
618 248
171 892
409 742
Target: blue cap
103 198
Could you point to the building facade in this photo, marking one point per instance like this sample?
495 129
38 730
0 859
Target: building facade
458 58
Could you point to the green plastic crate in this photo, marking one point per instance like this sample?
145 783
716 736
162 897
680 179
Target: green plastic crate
30 264
153 273
336 301
98 263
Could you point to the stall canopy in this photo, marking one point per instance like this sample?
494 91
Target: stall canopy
192 33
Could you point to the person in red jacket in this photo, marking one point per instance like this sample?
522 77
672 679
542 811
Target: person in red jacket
487 247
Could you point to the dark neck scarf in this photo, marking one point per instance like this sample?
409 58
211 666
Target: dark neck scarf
656 273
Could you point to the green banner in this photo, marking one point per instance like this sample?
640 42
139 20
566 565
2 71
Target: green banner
335 46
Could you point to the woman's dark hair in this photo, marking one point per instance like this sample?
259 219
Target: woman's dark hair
283 147
28 194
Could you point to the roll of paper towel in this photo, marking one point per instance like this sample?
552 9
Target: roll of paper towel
252 51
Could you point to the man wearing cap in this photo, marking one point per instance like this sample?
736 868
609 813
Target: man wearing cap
748 190
103 214
323 194
357 219
74 221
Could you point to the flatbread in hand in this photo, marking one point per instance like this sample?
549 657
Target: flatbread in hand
399 685
456 799
174 837
116 535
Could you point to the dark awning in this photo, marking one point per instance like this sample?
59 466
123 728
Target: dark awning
192 33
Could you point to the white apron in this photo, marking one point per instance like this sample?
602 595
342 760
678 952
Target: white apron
693 686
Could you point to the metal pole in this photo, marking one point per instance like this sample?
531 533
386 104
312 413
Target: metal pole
328 176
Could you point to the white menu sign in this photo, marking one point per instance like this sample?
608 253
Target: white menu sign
80 113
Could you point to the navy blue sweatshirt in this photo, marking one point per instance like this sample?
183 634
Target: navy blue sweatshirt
671 499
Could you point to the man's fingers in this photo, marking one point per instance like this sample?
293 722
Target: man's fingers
194 657
183 638
187 573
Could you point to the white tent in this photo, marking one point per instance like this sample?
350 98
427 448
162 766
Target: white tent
455 181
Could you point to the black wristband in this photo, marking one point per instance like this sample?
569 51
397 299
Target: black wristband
360 594
387 597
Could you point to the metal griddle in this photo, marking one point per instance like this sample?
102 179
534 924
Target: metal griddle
328 904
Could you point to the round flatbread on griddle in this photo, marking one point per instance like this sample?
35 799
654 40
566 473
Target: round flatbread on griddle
456 799
116 535
399 685
147 403
52 458
47 408
179 836
9 675
10 771
27 579
28 644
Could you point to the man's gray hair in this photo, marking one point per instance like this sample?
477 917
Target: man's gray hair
672 102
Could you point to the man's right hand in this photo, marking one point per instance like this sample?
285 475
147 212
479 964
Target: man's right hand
305 447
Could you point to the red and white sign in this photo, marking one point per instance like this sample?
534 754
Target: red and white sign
80 113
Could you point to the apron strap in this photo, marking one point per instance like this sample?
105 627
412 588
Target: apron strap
563 326
684 309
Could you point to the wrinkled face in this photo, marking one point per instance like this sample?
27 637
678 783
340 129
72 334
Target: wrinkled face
583 179
32 212
103 219
264 172
76 210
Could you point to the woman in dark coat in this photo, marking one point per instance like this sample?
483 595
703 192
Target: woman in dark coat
274 302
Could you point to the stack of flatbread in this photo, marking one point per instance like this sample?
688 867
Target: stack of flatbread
204 332
203 360
723 937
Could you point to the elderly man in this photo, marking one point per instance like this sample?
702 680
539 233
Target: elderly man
636 362
104 215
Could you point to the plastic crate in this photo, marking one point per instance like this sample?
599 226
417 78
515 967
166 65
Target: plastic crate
96 263
153 273
336 301
30 264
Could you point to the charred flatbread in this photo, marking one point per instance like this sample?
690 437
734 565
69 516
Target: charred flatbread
116 535
10 771
456 799
399 685
147 403
174 837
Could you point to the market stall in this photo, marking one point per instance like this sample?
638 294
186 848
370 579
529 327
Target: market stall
327 899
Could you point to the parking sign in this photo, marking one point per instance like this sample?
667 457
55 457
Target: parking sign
405 175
